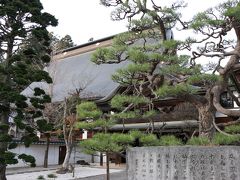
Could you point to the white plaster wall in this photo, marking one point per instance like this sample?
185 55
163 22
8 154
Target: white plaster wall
80 155
38 152
53 155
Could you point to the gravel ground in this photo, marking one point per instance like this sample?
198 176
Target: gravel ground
113 176
84 173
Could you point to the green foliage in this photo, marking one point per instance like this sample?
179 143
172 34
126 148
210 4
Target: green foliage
28 159
120 101
178 90
5 138
121 39
46 58
104 142
100 55
8 158
204 19
155 69
24 52
126 115
100 123
233 11
204 79
125 76
29 129
38 91
176 69
169 140
100 142
171 44
221 139
198 141
29 139
142 24
12 145
40 177
149 140
51 176
122 139
88 110
150 114
4 126
44 126
19 123
58 43
136 134
234 129
137 56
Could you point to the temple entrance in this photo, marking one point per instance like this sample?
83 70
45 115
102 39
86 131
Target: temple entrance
62 153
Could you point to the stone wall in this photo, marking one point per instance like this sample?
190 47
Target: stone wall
184 163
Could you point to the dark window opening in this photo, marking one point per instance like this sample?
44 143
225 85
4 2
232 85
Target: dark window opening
226 100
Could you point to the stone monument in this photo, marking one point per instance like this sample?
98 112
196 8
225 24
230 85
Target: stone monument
184 163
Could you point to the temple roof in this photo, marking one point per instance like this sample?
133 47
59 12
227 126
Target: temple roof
72 69
76 72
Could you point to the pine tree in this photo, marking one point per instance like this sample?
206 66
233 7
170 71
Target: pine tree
58 43
18 69
91 118
156 70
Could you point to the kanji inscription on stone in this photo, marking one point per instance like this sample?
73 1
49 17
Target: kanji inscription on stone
184 163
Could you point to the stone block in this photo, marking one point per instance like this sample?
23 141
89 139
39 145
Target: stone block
184 163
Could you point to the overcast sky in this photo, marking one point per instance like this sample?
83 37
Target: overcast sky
83 19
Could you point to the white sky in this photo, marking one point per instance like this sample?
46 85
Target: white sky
83 19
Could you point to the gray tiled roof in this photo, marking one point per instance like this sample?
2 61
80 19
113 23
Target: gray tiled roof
76 72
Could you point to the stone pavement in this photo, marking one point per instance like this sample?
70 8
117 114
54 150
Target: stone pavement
113 176
81 172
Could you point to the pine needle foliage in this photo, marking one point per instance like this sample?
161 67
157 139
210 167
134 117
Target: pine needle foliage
233 129
149 140
154 67
121 101
88 110
175 91
104 142
198 141
127 115
136 134
169 140
222 139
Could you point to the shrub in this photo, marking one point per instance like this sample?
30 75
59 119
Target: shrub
136 134
170 140
221 139
40 177
51 176
149 140
232 129
202 141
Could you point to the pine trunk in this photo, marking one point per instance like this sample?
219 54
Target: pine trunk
46 152
3 147
3 172
206 117
101 159
107 167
